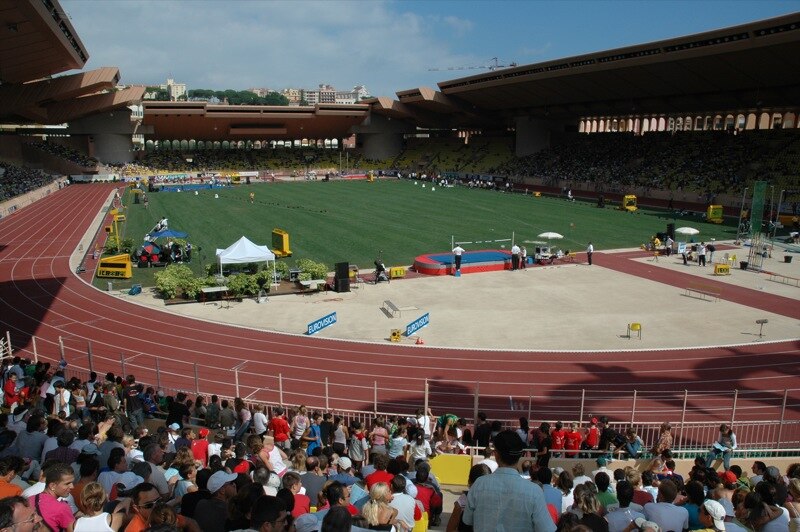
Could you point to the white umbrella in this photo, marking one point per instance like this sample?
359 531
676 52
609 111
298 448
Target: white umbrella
687 231
548 235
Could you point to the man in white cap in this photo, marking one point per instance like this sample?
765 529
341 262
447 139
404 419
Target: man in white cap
345 472
712 516
211 513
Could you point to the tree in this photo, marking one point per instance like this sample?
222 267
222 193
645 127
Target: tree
274 98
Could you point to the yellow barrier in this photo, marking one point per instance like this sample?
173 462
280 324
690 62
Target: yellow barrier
395 272
722 269
422 524
451 468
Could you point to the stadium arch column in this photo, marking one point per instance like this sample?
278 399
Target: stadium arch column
380 137
109 135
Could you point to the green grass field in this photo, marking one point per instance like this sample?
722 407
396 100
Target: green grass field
354 221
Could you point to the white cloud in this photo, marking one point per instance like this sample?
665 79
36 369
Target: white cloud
241 44
459 25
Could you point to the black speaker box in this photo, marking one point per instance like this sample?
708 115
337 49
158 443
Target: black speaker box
671 231
342 270
342 284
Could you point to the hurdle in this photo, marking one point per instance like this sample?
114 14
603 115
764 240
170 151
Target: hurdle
489 241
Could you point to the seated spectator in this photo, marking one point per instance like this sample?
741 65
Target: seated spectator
94 498
621 515
664 512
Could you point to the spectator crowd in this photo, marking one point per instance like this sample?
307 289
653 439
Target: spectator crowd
80 456
15 180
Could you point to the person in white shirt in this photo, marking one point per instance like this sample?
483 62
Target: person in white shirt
457 252
420 449
260 421
402 502
589 251
515 251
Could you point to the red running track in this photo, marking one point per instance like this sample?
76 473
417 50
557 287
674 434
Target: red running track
40 296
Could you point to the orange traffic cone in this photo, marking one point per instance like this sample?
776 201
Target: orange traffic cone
419 341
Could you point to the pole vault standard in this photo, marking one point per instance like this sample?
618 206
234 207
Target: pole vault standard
741 210
490 241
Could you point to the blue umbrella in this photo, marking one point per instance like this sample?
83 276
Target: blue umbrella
169 233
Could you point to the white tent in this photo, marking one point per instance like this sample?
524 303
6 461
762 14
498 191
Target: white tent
243 251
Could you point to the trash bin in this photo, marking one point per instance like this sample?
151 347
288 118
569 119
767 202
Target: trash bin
743 265
787 258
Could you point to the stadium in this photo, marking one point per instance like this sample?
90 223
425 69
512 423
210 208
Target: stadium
680 124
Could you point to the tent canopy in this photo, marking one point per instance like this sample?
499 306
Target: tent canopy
244 251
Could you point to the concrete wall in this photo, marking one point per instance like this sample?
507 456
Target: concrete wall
381 137
536 134
106 136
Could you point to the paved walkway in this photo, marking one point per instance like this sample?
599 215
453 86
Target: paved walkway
563 307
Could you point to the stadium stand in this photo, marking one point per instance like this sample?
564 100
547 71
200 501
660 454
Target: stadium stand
15 181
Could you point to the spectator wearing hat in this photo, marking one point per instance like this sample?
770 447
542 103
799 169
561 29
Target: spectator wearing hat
18 421
212 512
344 467
489 505
200 446
712 517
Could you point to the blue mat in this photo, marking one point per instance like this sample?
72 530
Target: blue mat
471 257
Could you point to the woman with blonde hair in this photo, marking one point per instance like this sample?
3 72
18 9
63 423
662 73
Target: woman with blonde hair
588 508
300 423
93 497
377 511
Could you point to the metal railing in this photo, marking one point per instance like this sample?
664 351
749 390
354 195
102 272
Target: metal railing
762 419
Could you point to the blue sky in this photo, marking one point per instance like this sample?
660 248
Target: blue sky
386 45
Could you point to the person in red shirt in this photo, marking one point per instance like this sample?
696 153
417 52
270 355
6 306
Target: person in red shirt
279 429
427 495
380 475
572 441
200 447
558 439
302 504
592 436
10 391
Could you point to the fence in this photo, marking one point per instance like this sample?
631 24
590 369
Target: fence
762 418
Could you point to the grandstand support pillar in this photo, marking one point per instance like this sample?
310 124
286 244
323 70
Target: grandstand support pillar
327 406
425 406
8 344
280 388
35 351
475 402
158 376
197 381
783 414
530 403
733 407
122 364
89 355
633 405
61 347
375 397
683 415
583 402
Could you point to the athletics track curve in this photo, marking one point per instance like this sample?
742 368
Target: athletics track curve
40 296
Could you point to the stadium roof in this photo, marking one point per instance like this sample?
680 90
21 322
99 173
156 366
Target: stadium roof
37 41
754 65
203 121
